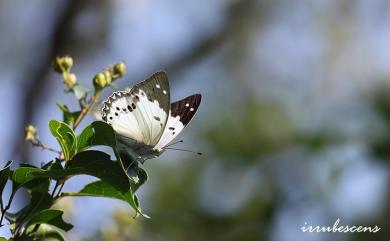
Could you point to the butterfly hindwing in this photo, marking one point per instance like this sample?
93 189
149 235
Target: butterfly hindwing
141 113
180 115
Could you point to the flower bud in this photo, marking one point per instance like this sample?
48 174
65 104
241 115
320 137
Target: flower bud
99 81
31 133
67 63
107 75
63 64
70 79
57 65
119 69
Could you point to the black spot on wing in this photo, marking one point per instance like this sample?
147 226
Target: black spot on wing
186 108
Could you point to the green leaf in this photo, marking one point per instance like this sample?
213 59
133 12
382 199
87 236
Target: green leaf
39 202
65 137
26 238
34 180
54 165
51 217
102 189
93 163
68 116
40 185
95 134
30 177
4 175
23 175
3 239
99 164
48 234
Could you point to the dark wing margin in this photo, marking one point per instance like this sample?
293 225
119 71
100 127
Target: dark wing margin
107 104
186 108
156 87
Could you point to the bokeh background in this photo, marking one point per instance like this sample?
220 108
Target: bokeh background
294 122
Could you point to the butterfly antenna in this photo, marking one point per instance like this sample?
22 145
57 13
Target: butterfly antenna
177 149
174 143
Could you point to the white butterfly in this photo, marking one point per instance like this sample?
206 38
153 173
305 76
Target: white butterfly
144 119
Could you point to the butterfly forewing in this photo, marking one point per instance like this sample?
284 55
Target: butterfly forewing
180 115
142 112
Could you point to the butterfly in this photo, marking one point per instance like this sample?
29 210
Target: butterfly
143 118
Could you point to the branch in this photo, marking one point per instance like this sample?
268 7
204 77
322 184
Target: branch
45 147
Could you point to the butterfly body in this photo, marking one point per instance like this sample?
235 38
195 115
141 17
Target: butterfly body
144 119
136 150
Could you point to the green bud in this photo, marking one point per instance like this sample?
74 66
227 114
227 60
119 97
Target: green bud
67 63
70 79
120 69
107 75
57 65
63 64
99 81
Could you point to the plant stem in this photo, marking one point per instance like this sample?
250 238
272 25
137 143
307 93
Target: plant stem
59 191
55 188
1 206
85 111
5 209
2 212
39 144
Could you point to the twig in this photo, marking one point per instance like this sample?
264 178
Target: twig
39 144
60 190
55 189
1 206
4 210
85 110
